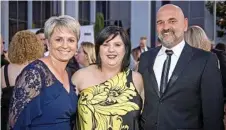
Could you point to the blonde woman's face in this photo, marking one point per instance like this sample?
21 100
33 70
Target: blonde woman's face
63 44
81 57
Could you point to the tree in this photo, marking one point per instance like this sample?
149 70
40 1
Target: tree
221 15
99 24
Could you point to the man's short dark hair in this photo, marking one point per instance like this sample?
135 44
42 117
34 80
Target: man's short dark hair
221 46
40 31
143 38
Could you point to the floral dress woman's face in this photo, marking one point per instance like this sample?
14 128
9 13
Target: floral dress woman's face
112 52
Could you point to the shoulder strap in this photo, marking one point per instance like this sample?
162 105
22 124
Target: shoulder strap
129 77
6 75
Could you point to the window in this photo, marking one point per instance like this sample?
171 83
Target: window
42 10
103 7
84 12
17 17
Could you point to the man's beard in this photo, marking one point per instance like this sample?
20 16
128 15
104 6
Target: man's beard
168 43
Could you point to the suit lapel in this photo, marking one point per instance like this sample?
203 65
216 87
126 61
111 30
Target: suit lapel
154 84
184 59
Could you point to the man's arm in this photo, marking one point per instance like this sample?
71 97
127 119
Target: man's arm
212 95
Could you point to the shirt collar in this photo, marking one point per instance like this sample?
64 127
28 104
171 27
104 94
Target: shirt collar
145 49
176 49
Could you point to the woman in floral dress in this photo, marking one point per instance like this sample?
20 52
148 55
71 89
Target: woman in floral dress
111 95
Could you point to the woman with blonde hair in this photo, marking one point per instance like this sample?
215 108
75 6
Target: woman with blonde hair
23 49
44 97
196 37
86 54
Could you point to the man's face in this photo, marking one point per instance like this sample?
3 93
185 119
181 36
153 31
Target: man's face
2 45
143 43
171 25
41 37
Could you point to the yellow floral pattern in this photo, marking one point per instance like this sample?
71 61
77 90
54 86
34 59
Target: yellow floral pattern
101 107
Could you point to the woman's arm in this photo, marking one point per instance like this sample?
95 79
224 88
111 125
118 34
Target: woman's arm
27 88
138 82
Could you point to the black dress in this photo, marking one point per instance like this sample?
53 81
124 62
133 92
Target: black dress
6 95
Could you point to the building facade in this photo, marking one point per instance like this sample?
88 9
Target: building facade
137 17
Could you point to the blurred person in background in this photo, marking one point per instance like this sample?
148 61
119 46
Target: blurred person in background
111 94
4 59
44 97
2 44
196 37
72 66
143 45
86 54
219 50
23 49
136 56
220 46
40 34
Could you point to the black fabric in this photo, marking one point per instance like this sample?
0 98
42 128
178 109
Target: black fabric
72 66
3 61
221 55
6 96
6 75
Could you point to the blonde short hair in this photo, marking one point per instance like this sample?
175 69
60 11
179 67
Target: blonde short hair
196 37
89 50
63 21
25 47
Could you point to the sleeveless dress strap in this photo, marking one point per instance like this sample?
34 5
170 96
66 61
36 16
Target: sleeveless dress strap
6 75
129 78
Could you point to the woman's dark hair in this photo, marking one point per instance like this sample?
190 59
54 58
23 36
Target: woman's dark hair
40 31
104 35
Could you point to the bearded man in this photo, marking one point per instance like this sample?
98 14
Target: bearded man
183 88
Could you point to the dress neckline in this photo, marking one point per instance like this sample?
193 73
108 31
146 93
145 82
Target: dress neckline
90 86
56 79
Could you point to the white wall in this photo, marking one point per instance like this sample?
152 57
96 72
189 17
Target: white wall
140 21
5 22
209 24
71 8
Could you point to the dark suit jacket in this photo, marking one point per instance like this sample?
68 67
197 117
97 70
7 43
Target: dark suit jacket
221 55
193 99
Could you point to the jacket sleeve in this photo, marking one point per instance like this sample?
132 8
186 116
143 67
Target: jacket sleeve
212 95
143 63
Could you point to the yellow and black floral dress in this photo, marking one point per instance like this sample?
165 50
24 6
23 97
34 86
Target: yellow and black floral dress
112 105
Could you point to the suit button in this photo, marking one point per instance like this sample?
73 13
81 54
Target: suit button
156 123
